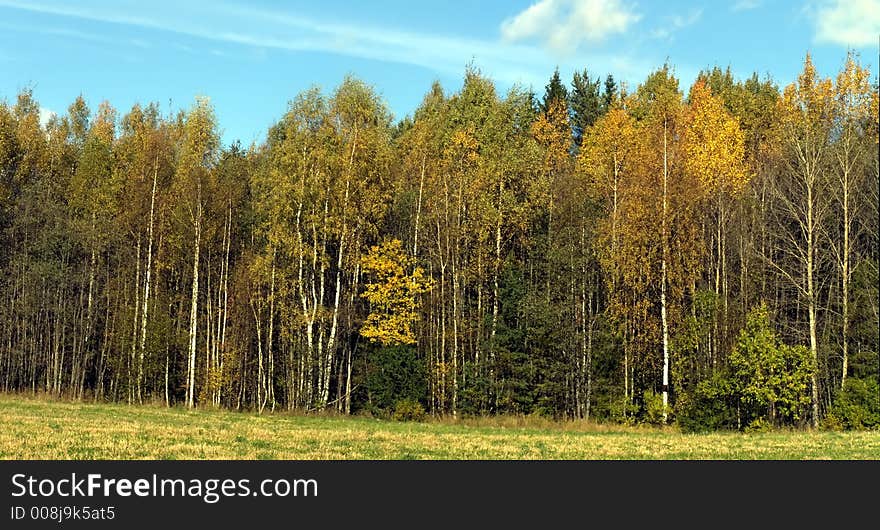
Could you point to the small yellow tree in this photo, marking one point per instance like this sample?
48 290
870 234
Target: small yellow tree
393 295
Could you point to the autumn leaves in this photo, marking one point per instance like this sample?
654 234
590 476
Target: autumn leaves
579 256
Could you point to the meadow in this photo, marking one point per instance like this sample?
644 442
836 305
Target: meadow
38 428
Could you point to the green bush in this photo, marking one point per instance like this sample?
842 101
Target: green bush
857 405
622 411
759 425
408 410
395 373
653 407
772 379
831 423
708 407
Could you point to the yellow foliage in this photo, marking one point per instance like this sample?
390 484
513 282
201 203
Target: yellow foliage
714 144
855 98
553 132
464 146
808 102
394 295
606 153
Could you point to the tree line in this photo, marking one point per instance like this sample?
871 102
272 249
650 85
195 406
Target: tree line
707 257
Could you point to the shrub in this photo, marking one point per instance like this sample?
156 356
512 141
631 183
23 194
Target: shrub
622 411
408 410
857 405
759 425
709 406
653 407
396 373
772 379
831 423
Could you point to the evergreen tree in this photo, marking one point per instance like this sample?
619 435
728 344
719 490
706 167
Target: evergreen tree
141 261
609 94
554 91
586 104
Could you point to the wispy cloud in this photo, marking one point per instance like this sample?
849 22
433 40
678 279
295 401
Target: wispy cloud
847 22
119 47
507 59
265 28
676 23
564 25
59 32
745 5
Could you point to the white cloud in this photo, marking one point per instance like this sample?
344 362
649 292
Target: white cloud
271 29
745 5
263 29
848 22
563 25
676 23
45 116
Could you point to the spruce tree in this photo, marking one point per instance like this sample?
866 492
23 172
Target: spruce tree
610 91
586 105
554 90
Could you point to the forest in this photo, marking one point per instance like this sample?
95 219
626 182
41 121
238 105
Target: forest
705 256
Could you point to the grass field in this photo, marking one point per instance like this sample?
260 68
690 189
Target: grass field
39 429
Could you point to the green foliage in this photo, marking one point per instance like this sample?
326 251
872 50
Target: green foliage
408 410
395 373
709 406
771 379
554 91
349 263
621 411
766 384
864 335
690 342
831 423
514 383
758 425
610 93
857 404
659 96
545 350
653 407
586 104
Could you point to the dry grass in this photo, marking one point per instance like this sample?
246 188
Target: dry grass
42 429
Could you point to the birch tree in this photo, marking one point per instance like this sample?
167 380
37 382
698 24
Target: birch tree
851 130
197 159
806 111
714 154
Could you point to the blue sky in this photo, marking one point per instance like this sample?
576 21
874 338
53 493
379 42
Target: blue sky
251 58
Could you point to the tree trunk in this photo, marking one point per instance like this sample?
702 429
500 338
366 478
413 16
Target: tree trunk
146 308
844 278
270 383
664 244
419 209
811 295
194 308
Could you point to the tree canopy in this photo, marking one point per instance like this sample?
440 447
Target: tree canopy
705 255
